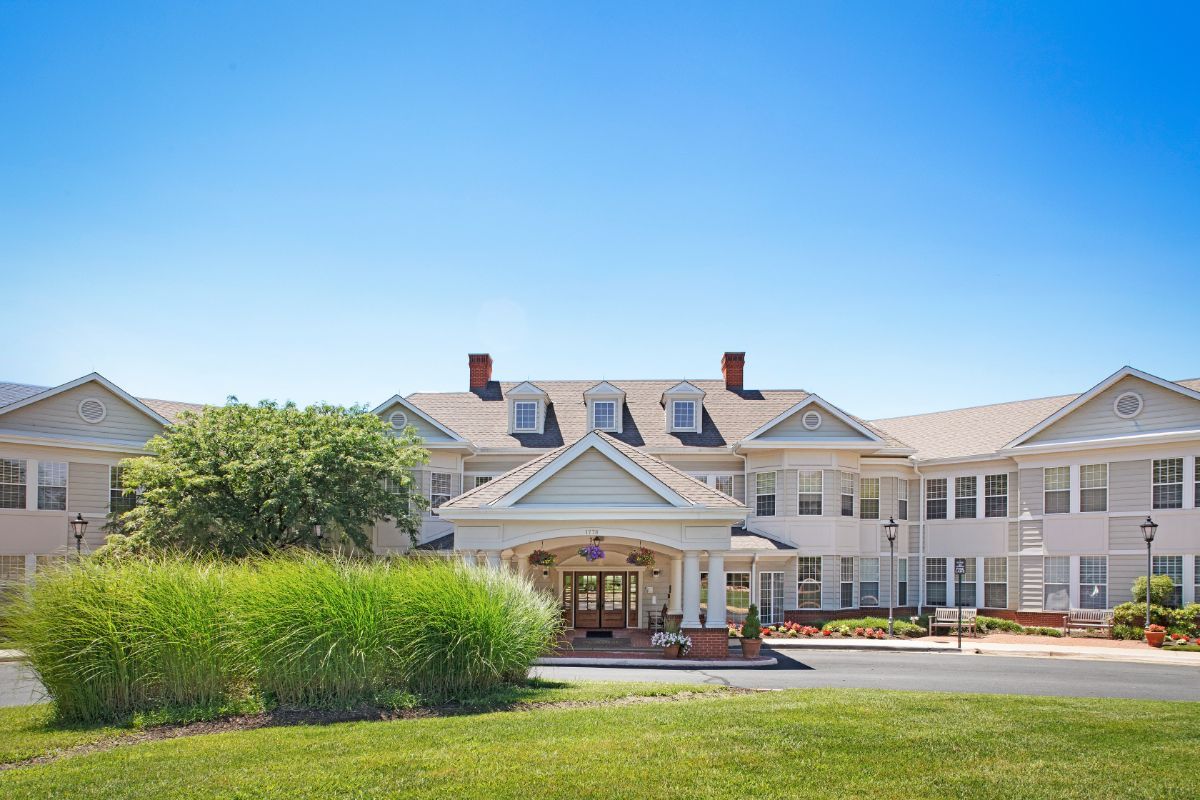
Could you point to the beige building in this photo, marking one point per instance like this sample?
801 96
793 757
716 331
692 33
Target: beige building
776 497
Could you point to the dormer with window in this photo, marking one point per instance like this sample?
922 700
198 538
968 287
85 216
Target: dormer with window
526 409
605 407
684 406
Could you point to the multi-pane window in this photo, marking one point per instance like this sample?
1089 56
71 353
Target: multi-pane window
1093 487
525 415
52 486
604 415
394 486
723 484
811 485
480 480
868 500
770 597
868 582
808 582
902 582
1172 567
12 483
847 575
995 582
737 596
1197 498
1056 482
935 500
995 495
118 501
439 489
1168 483
935 581
965 497
901 499
1056 583
847 494
1196 580
1093 582
764 494
966 594
683 415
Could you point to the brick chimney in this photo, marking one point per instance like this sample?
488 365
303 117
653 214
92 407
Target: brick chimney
732 367
481 370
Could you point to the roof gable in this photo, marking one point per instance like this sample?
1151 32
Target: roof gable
91 377
88 409
830 424
593 478
1164 407
429 428
526 389
604 389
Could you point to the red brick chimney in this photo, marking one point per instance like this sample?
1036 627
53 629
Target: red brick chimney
732 367
481 370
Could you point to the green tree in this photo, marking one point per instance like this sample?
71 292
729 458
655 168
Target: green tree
1162 590
240 479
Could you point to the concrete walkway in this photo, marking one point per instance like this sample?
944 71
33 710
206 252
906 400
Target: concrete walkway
1038 649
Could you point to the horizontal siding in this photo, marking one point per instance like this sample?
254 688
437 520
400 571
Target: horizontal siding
59 416
426 431
1031 485
1129 485
592 479
1164 410
1122 572
1125 533
787 501
793 428
1014 582
1031 583
87 488
1030 532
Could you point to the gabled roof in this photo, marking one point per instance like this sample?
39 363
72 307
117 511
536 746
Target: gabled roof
675 487
815 400
91 377
526 388
604 389
1122 373
683 388
397 399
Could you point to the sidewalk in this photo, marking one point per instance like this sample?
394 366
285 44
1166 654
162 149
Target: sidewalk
1000 645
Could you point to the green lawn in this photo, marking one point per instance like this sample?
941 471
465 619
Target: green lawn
801 743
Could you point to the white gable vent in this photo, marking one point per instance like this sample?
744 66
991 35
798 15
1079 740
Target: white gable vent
1128 405
398 420
811 420
92 410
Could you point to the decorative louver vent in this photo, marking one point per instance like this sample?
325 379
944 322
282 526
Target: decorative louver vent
1128 405
398 420
92 410
811 420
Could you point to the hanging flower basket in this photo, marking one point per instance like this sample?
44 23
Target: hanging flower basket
542 558
641 557
591 552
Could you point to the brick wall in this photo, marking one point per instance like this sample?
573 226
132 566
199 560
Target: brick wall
1048 619
708 642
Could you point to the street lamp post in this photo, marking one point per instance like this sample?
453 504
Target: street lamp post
78 527
960 567
1149 528
890 528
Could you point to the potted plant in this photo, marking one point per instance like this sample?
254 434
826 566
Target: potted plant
1155 635
751 634
673 643
640 557
542 558
591 552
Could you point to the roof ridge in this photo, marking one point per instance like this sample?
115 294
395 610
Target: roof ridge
971 408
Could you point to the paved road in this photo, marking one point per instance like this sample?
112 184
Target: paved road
949 672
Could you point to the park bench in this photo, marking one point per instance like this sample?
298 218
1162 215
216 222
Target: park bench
948 618
1087 619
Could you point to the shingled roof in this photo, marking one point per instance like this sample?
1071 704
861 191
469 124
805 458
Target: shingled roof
687 487
167 409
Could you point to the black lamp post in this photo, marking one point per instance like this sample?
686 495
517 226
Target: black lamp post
1149 528
78 527
960 567
890 528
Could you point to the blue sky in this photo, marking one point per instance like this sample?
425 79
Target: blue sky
902 207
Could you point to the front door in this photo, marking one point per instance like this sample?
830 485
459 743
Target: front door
601 599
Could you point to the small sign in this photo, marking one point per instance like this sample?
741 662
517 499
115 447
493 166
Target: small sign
960 566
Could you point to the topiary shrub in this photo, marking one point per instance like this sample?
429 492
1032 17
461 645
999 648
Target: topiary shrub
1134 614
1162 590
752 627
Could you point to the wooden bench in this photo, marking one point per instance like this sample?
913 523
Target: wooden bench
948 618
1087 619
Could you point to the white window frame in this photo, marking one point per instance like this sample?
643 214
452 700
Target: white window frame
934 495
20 467
1163 565
675 407
902 582
1156 484
936 570
1089 562
116 485
961 493
517 427
846 576
1093 478
993 577
866 485
969 578
759 493
803 496
436 498
612 425
1062 578
805 564
770 597
995 488
1052 478
868 576
902 499
59 468
847 480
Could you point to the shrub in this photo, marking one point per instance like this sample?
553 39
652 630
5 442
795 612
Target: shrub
991 624
900 627
752 628
1134 614
1183 648
1162 589
1130 632
1038 630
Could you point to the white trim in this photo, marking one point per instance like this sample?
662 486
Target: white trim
90 377
1141 405
394 399
813 399
730 515
103 410
1123 372
12 437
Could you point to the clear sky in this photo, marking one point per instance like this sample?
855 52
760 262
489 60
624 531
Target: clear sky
904 207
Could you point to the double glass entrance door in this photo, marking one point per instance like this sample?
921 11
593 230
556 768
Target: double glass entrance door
603 599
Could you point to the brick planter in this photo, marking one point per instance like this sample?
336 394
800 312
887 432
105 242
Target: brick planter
708 642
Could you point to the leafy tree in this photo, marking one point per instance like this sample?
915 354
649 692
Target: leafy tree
241 479
1162 590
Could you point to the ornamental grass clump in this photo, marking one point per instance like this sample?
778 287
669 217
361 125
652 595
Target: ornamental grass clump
109 639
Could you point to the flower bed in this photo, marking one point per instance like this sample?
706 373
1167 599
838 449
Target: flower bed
794 630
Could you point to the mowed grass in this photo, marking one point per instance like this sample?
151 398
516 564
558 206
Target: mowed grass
800 743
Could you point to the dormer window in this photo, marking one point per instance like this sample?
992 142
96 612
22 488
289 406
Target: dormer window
683 415
525 416
604 415
605 404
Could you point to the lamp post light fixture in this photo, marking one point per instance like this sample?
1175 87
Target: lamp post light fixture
890 528
78 527
1149 528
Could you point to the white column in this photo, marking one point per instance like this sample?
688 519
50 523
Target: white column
675 603
31 484
1189 578
1189 486
522 565
1073 590
1074 470
979 499
716 590
691 590
979 581
493 559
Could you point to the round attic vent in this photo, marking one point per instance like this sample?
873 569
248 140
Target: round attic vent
811 420
1128 405
92 410
398 420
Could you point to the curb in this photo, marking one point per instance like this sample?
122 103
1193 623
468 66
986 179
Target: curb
7 656
849 645
669 663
